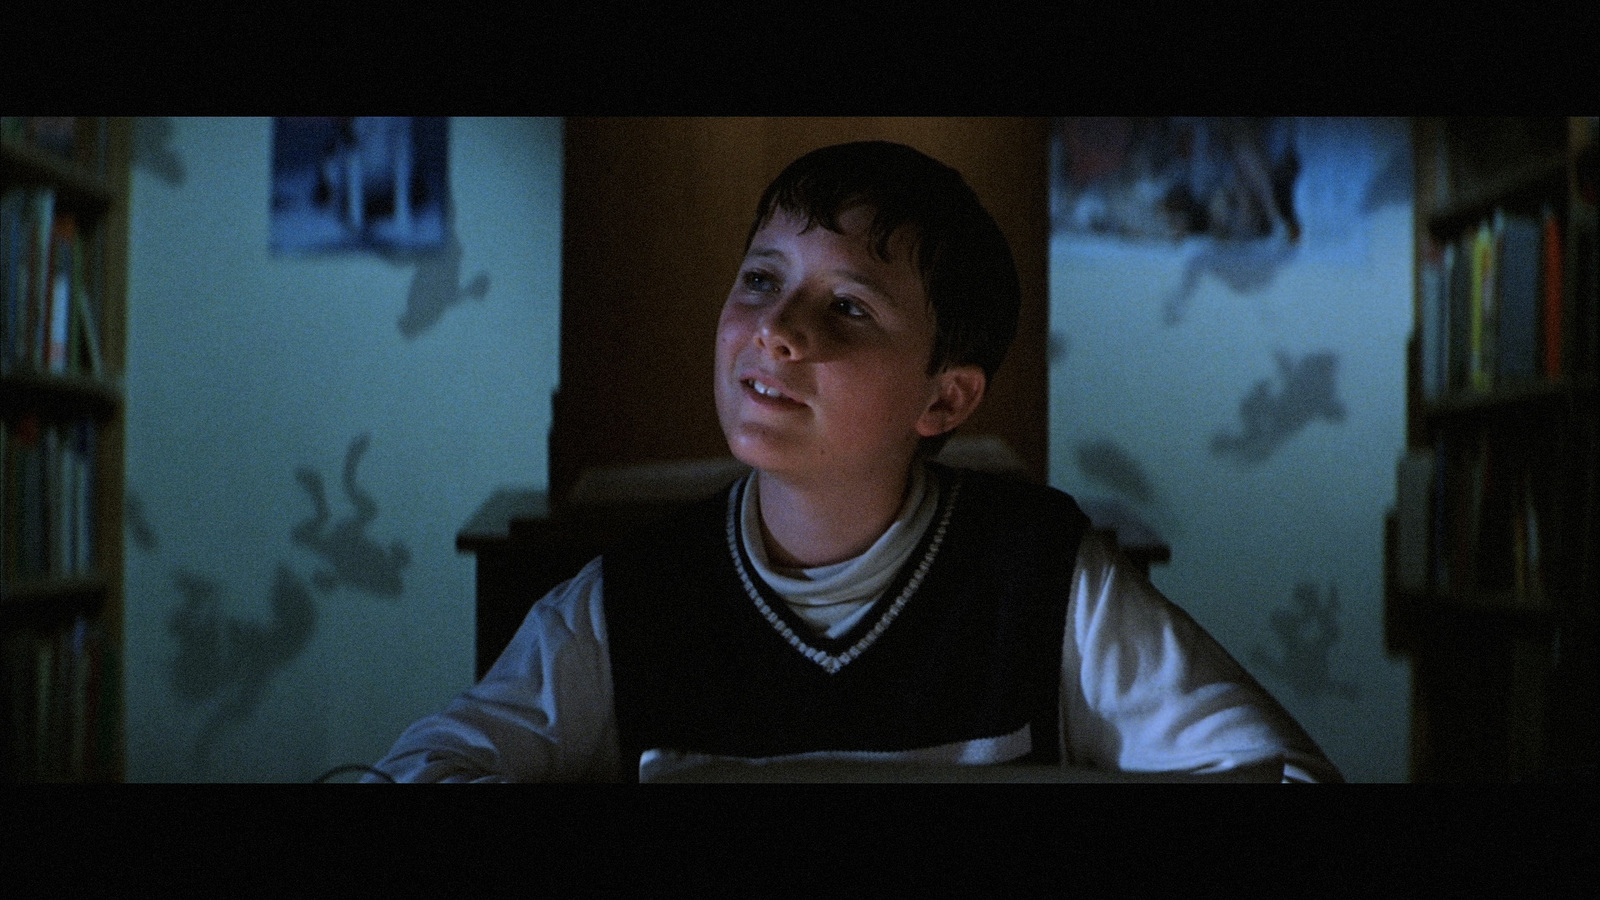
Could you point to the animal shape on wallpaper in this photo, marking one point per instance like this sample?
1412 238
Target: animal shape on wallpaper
1058 347
144 537
152 149
1246 267
1105 462
1393 183
1128 524
1147 521
353 559
228 660
1269 418
436 287
1307 633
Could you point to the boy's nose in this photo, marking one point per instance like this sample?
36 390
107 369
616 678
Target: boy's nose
782 331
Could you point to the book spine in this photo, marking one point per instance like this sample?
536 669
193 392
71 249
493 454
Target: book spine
1481 372
10 509
1551 278
43 718
91 704
14 693
83 500
48 492
5 511
1432 325
1585 339
39 282
1517 291
86 330
1414 482
53 515
63 241
1459 275
13 274
77 708
31 491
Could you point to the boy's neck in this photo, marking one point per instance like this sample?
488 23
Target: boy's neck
811 525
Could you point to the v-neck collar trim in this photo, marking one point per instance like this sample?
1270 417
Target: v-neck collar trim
833 662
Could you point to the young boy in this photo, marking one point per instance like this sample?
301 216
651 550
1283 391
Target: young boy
850 600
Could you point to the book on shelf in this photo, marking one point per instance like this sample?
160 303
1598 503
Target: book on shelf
82 558
1527 541
1434 321
1488 503
14 702
13 274
1460 287
1457 499
1413 491
1583 302
1493 540
1496 309
47 304
1516 269
1551 281
58 318
85 355
1452 319
39 282
49 500
6 525
1481 337
53 718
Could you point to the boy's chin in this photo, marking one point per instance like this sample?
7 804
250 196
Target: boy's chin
765 452
754 453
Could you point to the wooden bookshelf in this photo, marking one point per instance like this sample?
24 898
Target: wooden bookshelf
1498 609
61 405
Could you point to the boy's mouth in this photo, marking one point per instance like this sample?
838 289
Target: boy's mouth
766 391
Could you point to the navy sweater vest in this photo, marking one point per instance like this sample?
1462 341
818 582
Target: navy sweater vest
974 653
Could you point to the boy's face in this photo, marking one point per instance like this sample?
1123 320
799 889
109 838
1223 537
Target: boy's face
822 354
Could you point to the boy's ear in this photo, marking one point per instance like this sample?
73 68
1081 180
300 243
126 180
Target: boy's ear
960 391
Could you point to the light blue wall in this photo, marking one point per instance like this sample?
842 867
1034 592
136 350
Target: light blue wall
260 647
1155 350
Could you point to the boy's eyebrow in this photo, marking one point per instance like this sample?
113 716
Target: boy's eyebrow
767 253
865 281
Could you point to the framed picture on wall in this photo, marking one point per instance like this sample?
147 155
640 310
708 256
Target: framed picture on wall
354 183
1232 178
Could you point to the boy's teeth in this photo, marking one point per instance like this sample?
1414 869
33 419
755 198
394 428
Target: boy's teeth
765 391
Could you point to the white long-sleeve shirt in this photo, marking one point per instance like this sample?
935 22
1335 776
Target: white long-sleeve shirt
1143 687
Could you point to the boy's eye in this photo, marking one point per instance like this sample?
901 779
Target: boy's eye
850 308
760 282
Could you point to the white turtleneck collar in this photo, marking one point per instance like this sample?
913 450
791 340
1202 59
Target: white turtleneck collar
833 598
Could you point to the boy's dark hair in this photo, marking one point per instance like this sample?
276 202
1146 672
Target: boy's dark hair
965 262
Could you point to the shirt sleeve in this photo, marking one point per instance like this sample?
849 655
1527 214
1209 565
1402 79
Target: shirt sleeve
543 712
1145 689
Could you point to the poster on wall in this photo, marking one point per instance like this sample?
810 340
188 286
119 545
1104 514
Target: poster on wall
358 183
1167 179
